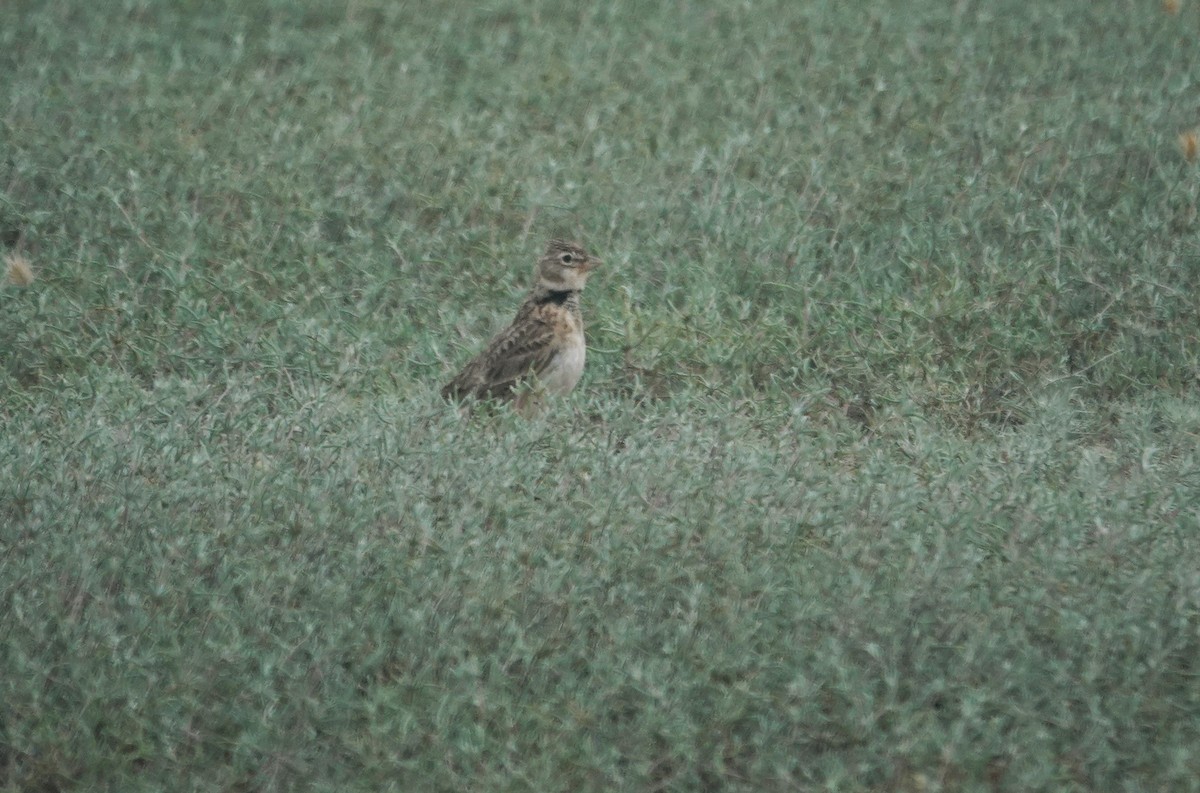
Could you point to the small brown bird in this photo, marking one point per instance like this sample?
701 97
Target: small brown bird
544 346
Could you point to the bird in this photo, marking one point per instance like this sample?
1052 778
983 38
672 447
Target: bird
543 349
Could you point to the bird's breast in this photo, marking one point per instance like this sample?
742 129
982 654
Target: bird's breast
564 371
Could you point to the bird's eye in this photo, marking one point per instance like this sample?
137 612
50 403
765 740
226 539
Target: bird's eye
566 258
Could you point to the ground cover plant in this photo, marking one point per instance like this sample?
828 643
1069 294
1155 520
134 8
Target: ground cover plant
882 475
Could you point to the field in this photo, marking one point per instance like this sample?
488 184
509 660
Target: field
883 474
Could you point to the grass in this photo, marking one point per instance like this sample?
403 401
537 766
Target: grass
883 475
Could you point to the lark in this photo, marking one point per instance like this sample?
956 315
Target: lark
543 350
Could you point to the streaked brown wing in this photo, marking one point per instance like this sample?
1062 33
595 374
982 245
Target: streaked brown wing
526 346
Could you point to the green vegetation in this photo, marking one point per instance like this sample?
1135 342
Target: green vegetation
883 475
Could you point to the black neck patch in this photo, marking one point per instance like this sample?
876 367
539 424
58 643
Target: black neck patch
558 297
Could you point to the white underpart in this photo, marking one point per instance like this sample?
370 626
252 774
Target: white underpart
564 371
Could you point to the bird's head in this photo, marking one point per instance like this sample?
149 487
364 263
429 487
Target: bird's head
565 266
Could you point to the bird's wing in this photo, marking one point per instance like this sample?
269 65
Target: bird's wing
525 347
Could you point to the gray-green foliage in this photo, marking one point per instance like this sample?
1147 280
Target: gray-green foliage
882 475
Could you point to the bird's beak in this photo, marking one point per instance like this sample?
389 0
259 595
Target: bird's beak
594 263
